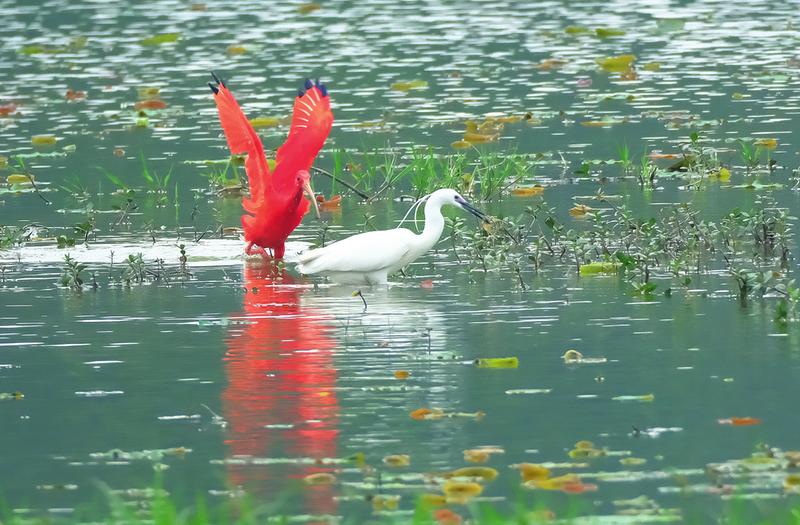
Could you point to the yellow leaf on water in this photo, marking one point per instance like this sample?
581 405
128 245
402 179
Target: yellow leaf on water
557 483
433 500
632 462
644 398
402 374
163 38
580 210
651 66
148 92
409 85
723 174
616 63
551 63
485 473
476 456
604 32
3 161
397 460
236 50
461 492
320 478
571 356
593 268
497 362
43 140
310 7
533 471
385 502
575 30
461 144
264 122
527 191
478 138
769 144
17 178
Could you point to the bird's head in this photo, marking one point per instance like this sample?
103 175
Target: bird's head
453 198
304 184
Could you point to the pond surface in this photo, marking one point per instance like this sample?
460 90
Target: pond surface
228 377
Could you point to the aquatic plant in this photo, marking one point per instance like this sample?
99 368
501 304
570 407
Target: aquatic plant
71 274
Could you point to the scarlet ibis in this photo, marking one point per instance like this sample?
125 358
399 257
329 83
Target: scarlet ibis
276 204
369 258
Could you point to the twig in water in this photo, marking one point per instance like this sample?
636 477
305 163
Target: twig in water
359 294
342 182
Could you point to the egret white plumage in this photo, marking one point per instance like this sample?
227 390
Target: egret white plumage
369 258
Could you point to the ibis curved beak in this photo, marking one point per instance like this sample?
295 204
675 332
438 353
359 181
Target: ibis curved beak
310 192
473 210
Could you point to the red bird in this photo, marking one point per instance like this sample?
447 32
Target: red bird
276 204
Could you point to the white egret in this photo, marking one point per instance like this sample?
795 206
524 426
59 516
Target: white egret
369 258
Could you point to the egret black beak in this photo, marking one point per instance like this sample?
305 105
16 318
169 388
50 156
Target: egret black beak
310 192
473 210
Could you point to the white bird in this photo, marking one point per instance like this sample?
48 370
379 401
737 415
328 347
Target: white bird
369 258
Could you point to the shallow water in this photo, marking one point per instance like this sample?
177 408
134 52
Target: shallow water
291 373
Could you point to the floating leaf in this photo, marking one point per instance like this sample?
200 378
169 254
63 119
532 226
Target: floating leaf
18 178
527 191
575 30
597 267
320 478
307 8
533 471
461 144
264 122
427 413
7 109
739 421
497 362
644 398
769 144
402 374
572 356
628 462
557 483
3 161
460 491
236 50
476 456
433 500
479 138
334 203
580 210
603 32
382 502
485 473
148 91
43 140
397 460
723 174
163 38
551 63
616 64
150 104
409 85
652 66
75 95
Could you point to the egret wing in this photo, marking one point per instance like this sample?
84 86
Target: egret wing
363 253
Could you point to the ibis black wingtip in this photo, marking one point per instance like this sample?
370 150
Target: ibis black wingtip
218 80
214 88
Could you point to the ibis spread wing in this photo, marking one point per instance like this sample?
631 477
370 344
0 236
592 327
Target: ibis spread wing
242 138
312 119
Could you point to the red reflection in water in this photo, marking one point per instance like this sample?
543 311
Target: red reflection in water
280 371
